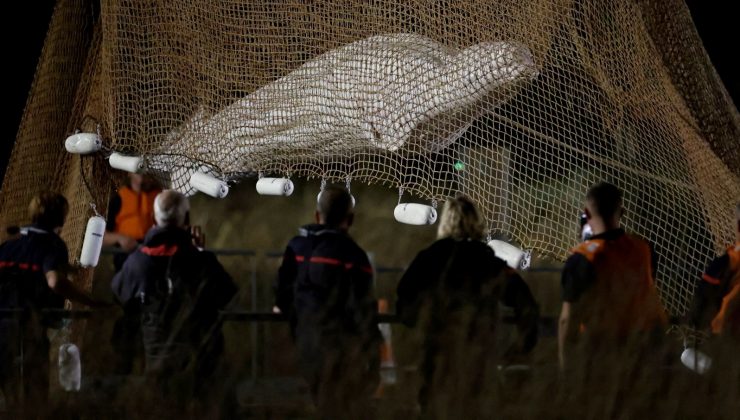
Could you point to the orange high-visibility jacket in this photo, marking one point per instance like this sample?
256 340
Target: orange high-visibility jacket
623 298
136 216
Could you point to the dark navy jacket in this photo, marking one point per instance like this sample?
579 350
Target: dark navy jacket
36 252
205 284
24 262
325 282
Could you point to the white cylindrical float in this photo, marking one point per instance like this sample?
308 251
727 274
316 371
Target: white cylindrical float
415 214
696 360
70 367
93 242
209 185
507 252
586 232
126 163
83 143
275 186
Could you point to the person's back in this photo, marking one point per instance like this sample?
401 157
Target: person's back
34 268
451 292
178 291
622 298
24 293
448 276
332 292
325 285
23 262
612 323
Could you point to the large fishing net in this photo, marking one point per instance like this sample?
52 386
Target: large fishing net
522 105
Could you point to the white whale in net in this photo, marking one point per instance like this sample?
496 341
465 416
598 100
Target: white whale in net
382 92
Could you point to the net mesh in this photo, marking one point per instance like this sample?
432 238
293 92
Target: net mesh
520 105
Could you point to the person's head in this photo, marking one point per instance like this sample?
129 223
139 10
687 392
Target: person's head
335 208
135 181
171 209
604 207
461 220
48 210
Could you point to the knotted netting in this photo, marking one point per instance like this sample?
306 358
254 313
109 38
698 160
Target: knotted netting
522 105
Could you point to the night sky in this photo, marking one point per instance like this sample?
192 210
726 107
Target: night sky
26 24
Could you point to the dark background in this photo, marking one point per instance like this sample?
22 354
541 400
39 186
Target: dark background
26 25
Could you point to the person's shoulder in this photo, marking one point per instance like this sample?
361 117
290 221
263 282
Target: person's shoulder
48 241
443 245
588 249
351 246
638 239
205 256
57 241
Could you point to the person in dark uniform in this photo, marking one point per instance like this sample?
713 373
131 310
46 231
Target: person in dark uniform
325 287
34 275
451 292
178 291
612 320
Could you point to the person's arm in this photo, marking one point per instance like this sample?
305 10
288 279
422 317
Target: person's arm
220 289
61 285
362 282
57 270
517 295
577 277
709 293
283 286
730 306
411 291
565 334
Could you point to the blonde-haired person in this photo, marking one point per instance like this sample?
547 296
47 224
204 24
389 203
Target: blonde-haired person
451 292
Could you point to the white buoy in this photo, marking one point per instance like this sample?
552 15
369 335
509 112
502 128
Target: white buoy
415 214
126 163
696 360
83 143
507 252
70 367
586 232
274 186
93 242
209 185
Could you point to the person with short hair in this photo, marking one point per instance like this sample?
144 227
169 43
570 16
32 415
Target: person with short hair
325 286
177 290
451 292
611 309
34 275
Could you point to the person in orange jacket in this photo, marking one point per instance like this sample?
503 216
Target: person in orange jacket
130 216
609 295
717 299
